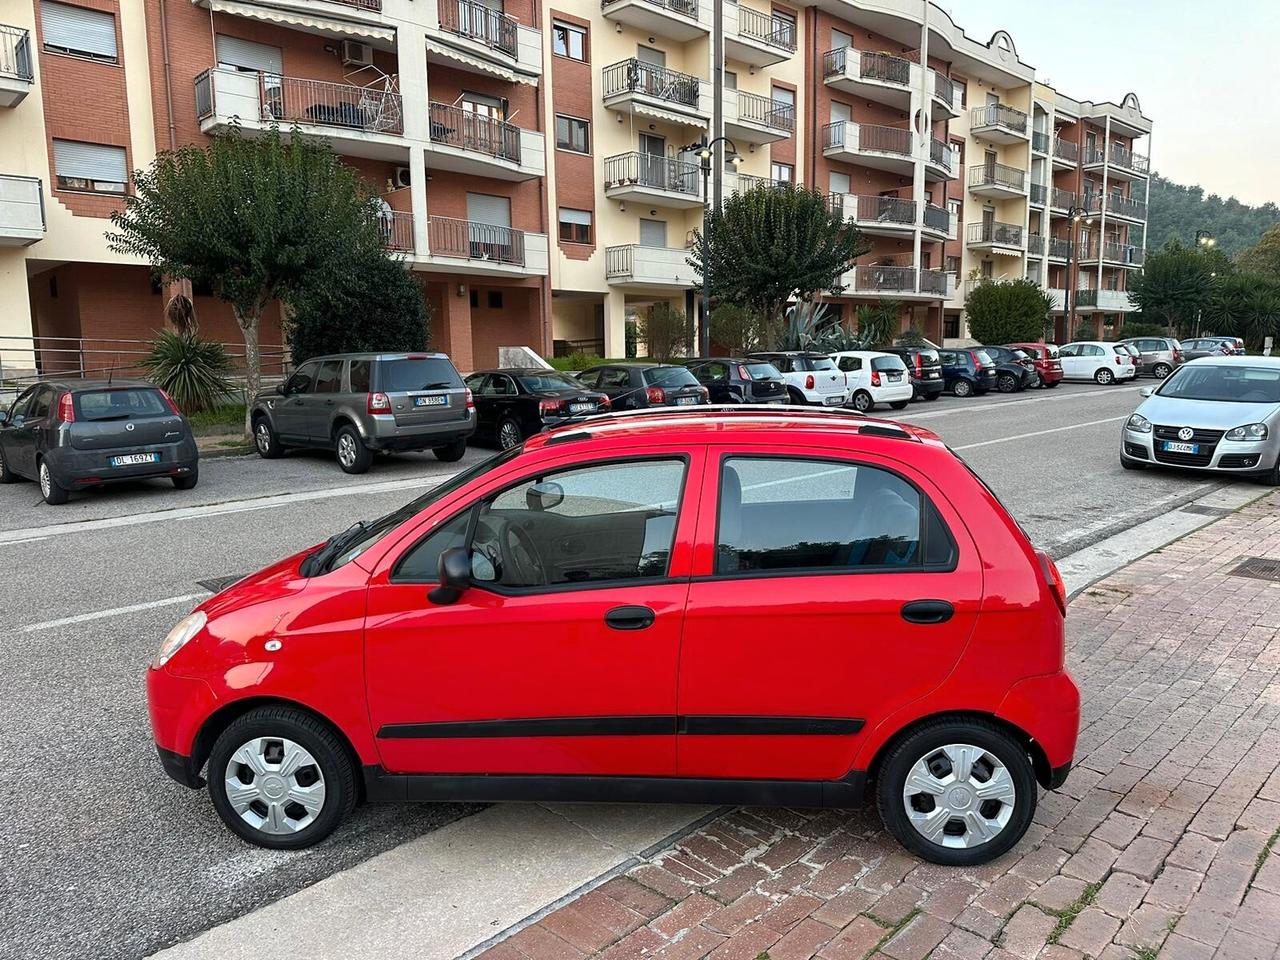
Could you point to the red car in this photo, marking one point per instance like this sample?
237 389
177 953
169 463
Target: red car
1048 366
724 606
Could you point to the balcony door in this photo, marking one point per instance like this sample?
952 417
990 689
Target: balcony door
652 162
246 56
489 227
482 124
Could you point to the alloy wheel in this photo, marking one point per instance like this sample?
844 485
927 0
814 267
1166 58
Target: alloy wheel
274 785
1104 376
263 436
46 481
962 388
861 402
508 435
959 796
1161 371
346 450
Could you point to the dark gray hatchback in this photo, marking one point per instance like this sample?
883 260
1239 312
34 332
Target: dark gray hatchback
74 434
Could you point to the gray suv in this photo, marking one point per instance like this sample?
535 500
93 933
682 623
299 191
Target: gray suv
1157 356
358 403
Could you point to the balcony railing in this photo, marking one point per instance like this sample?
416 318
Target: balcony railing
636 76
1126 207
766 110
396 228
933 281
1039 194
1035 244
998 115
1126 158
1091 200
466 130
1061 199
890 210
747 181
619 261
650 170
15 53
775 31
866 136
475 21
470 240
1116 253
994 232
937 218
884 279
997 175
883 67
1066 150
942 154
294 100
944 88
374 5
1039 141
1087 298
1060 249
687 8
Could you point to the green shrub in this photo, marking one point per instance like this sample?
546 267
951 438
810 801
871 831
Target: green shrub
195 372
1008 311
665 331
576 361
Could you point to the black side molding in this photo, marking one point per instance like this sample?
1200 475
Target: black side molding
702 725
626 726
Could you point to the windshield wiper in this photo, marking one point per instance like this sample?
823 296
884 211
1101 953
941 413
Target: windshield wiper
319 561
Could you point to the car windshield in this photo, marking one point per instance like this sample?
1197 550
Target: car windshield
763 371
669 377
1033 352
1021 354
983 358
929 358
1230 384
887 363
416 373
542 382
120 403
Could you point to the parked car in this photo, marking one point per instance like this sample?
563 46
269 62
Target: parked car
76 434
587 616
1204 347
1214 413
1015 370
1045 358
925 369
635 386
732 380
359 403
1096 360
967 372
516 403
810 377
874 377
1157 356
1234 344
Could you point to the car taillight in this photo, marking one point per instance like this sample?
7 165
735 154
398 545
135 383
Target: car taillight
920 363
546 407
169 400
706 395
808 382
743 372
1119 361
656 395
471 400
381 403
1177 356
604 403
875 378
1053 579
67 409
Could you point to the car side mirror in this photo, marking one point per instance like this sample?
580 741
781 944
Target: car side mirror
282 388
544 496
1146 391
455 576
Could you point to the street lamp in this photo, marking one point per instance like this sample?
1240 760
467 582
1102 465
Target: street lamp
1205 240
706 150
1074 215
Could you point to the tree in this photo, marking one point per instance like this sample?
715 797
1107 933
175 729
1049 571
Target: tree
377 306
1263 258
665 331
1176 212
769 245
254 219
1008 311
734 328
195 372
1173 287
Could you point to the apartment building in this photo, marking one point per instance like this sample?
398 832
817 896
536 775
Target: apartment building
539 166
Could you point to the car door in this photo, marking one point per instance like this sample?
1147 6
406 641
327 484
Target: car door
561 658
18 435
1068 355
852 369
798 632
290 422
484 412
501 395
319 405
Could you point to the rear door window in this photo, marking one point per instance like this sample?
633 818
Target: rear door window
412 374
360 379
120 404
329 378
615 377
41 403
819 363
850 364
763 371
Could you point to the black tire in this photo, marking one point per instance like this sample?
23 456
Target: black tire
265 439
1050 385
331 757
962 388
1007 383
353 456
509 434
189 481
796 397
922 743
1132 464
1272 477
1161 370
932 396
1104 376
6 475
54 493
862 401
451 453
899 404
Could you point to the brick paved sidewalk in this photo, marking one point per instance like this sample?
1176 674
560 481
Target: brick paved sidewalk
1160 843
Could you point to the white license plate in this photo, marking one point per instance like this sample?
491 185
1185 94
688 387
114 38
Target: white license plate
581 407
1172 447
430 401
893 377
833 401
686 401
132 459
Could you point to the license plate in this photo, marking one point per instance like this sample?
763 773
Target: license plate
581 407
894 376
686 401
132 459
932 375
1172 447
431 401
833 401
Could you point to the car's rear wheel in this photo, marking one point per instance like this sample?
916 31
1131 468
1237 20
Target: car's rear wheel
189 481
899 404
353 455
1104 376
265 439
795 396
962 388
280 778
452 452
957 792
1161 370
1007 383
862 401
6 475
54 493
509 434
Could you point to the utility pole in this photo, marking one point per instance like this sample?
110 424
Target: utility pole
717 100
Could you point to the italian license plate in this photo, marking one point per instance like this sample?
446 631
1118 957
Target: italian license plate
133 459
895 377
686 401
440 401
1172 447
932 375
833 401
581 407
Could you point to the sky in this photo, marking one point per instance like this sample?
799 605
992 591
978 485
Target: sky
1207 73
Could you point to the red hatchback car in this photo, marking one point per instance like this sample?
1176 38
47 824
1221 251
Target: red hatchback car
1048 366
723 606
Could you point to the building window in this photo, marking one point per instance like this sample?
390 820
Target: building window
575 225
568 40
573 134
782 172
953 265
495 299
90 167
963 90
78 31
950 326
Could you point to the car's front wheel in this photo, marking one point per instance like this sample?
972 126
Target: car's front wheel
353 455
265 439
957 792
280 778
1104 376
862 401
1161 370
962 388
451 453
1007 383
53 492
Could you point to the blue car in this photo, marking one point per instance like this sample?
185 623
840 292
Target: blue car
967 372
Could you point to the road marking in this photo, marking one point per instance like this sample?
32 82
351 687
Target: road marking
10 543
1020 401
1041 433
114 612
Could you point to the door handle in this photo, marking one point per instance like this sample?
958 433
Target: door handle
629 618
328 403
927 611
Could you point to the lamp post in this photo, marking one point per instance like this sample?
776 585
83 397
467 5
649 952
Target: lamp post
1205 240
1074 215
706 151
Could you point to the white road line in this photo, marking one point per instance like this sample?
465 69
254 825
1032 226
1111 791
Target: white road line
1041 433
114 612
10 543
1020 401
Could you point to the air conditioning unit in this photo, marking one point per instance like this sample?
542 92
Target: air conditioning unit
356 54
401 178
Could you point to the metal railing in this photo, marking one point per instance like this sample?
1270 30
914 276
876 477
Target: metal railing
884 67
1039 141
1091 200
475 21
1126 207
1066 150
650 170
1035 244
775 31
1114 252
1061 199
1126 158
636 76
688 8
937 218
472 131
748 181
998 115
992 231
1060 249
997 175
1087 298
396 227
944 88
1039 194
619 261
866 136
374 5
942 154
933 281
472 240
204 95
766 110
292 99
833 62
884 278
892 210
15 53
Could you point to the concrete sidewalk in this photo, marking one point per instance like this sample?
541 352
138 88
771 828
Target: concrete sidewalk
1161 843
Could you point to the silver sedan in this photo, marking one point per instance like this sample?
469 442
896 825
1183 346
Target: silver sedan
1214 413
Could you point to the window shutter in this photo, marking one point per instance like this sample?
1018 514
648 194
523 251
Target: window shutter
575 216
78 29
483 208
248 55
90 161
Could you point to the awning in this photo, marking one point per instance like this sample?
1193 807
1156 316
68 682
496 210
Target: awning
333 26
478 63
667 116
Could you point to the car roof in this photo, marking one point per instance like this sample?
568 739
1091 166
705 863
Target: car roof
116 383
381 355
864 353
634 365
1234 361
520 371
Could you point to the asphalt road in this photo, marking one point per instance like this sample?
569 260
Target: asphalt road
104 857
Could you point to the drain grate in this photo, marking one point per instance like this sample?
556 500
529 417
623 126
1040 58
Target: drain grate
1258 568
1206 510
218 584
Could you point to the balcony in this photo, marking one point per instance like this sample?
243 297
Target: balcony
997 123
473 37
334 20
1114 254
1039 194
755 37
635 265
21 210
356 121
893 280
1066 155
1058 249
1007 239
396 227
1103 301
649 179
1126 208
943 162
997 180
747 181
681 20
937 222
472 143
876 216
752 118
943 91
1035 244
1121 162
885 148
16 75
1040 142
1060 199
880 77
481 249
653 92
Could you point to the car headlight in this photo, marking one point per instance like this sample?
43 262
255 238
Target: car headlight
185 629
1250 431
1139 423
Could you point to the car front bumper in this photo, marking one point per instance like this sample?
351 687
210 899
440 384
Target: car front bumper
1241 457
